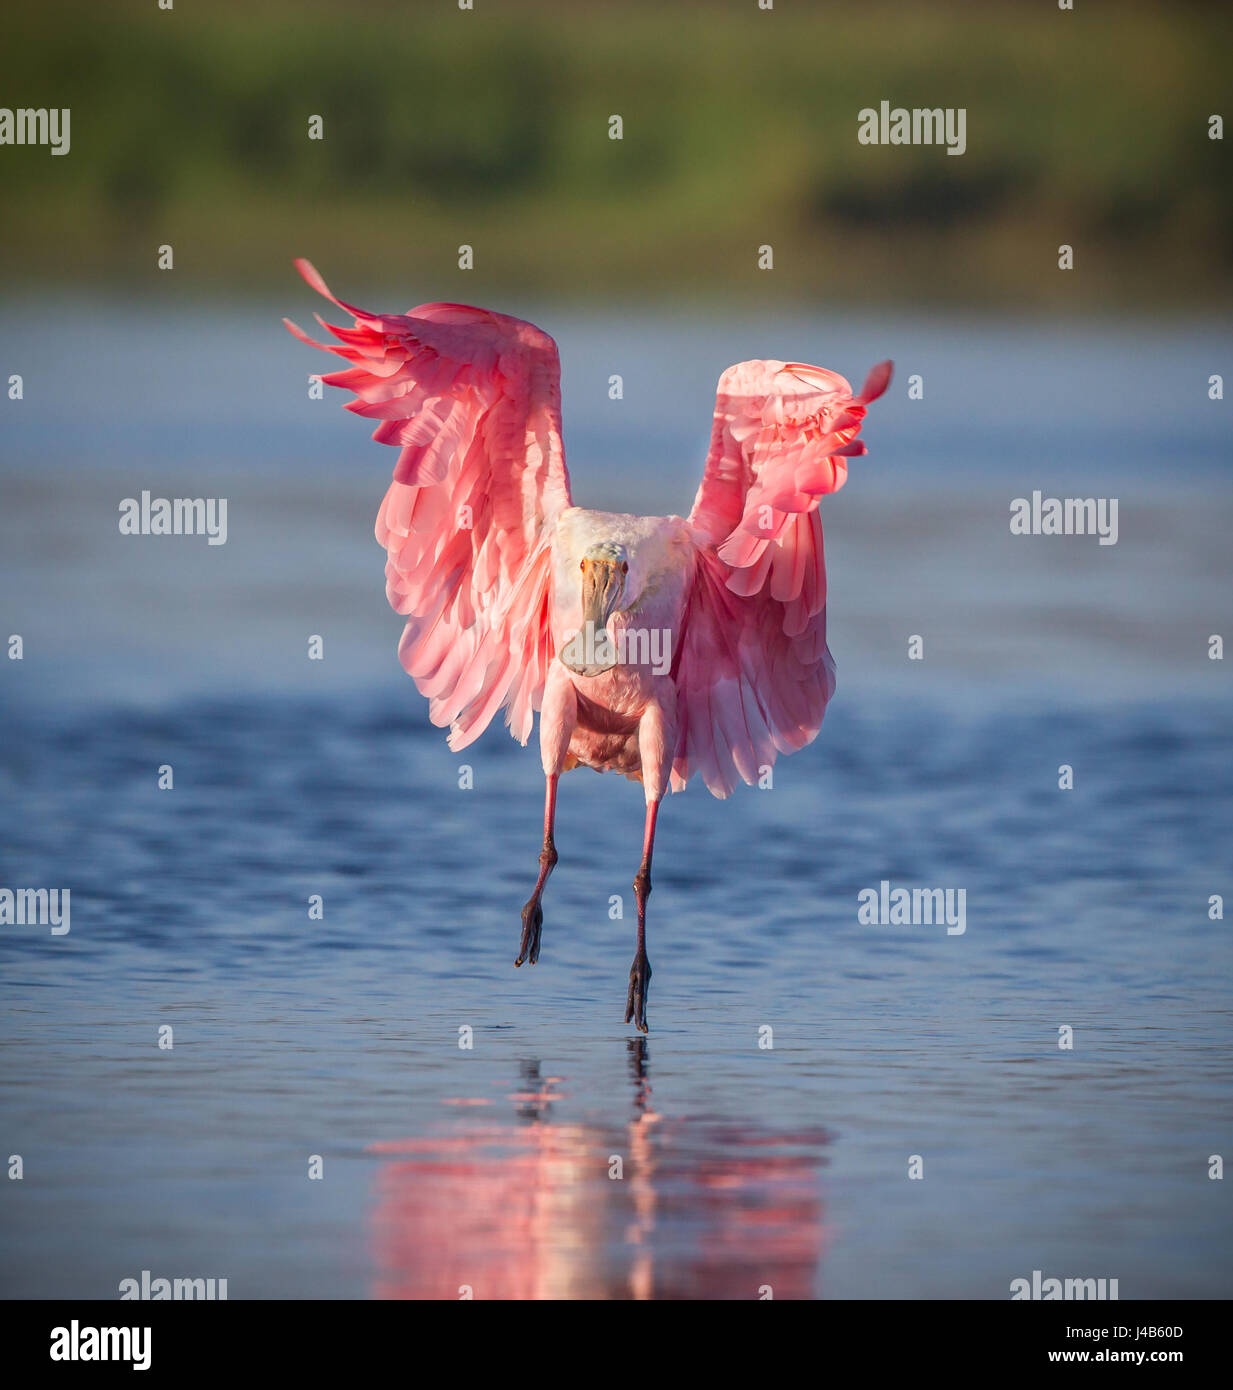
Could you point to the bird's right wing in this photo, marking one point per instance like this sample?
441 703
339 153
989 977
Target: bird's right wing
473 399
755 673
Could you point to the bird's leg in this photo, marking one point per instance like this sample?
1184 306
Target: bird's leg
533 913
657 736
640 971
557 719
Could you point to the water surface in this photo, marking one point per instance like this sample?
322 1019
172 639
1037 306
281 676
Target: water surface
493 1167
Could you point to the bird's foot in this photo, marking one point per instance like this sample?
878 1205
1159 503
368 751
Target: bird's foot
639 988
532 925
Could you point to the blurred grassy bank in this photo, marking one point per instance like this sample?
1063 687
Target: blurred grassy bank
491 128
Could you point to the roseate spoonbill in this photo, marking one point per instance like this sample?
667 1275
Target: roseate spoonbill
655 646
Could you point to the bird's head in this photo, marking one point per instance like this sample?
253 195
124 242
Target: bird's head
603 570
603 574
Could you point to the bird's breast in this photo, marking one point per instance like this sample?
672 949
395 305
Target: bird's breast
605 708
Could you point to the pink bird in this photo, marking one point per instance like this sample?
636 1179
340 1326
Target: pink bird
656 646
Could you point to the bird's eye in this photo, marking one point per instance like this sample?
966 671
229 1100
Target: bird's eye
624 566
582 564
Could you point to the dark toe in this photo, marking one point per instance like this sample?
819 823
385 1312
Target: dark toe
639 988
532 924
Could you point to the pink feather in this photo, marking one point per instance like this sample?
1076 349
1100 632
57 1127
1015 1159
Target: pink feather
472 400
755 637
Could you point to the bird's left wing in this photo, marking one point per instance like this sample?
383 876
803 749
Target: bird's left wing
473 399
755 673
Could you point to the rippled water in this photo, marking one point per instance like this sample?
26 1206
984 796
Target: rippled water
489 1167
560 1155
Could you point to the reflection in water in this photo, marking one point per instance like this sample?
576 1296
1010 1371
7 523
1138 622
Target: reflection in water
704 1208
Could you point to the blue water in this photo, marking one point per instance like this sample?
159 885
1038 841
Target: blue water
741 1165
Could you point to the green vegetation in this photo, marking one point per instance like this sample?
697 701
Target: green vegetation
490 127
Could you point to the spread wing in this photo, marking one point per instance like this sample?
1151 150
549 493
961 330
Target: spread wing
755 673
473 400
